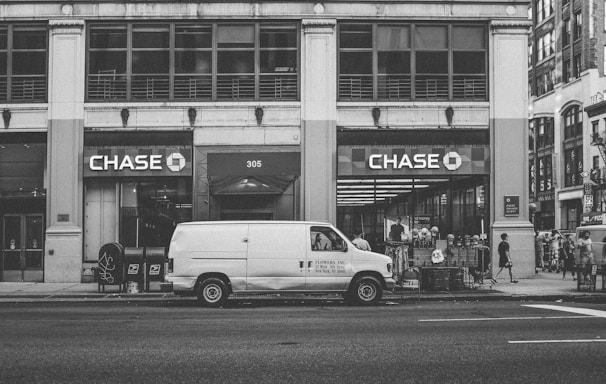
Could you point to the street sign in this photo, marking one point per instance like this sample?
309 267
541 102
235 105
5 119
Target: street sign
512 205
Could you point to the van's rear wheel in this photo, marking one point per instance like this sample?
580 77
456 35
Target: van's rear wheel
212 292
366 291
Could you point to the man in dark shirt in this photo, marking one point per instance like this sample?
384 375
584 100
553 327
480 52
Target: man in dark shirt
504 258
396 230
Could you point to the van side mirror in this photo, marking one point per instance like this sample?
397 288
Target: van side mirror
344 248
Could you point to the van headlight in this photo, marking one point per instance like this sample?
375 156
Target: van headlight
389 267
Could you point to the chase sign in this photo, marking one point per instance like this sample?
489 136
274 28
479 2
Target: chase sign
129 161
413 160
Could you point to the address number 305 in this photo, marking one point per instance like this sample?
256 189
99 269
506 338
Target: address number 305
254 164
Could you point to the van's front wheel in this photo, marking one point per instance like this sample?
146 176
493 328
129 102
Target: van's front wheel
366 291
212 292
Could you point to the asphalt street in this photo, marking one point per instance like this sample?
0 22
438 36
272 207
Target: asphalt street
429 342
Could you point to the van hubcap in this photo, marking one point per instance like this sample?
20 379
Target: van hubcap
366 291
212 292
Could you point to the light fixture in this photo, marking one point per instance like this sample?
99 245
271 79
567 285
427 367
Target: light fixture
6 116
192 113
376 114
259 115
449 115
124 114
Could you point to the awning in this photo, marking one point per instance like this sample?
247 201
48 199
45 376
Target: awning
269 173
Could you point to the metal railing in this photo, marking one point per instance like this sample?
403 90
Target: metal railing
235 87
431 87
469 87
3 88
106 87
190 87
355 87
150 87
278 87
394 87
23 88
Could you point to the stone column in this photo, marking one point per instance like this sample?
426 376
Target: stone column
509 142
319 132
63 259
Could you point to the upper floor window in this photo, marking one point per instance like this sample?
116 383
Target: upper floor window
544 132
23 63
412 62
578 25
573 122
544 9
182 61
577 64
566 37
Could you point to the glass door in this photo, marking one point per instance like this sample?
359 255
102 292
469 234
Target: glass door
22 250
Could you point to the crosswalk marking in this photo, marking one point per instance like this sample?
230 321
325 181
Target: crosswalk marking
580 311
505 318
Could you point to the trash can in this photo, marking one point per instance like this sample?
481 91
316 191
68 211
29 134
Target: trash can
110 268
155 259
133 261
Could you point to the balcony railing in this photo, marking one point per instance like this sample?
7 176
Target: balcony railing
150 87
235 87
188 87
431 87
106 87
394 87
355 87
278 87
469 88
23 88
3 88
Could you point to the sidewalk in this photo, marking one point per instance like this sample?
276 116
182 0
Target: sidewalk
545 286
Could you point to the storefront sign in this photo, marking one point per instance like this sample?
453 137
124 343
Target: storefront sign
512 205
254 164
413 160
591 218
597 98
129 161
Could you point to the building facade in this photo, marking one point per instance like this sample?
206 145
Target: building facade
122 119
566 79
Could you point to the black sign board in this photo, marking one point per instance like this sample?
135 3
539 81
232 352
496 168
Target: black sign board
254 163
512 205
111 264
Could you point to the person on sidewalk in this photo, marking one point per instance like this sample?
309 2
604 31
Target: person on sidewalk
504 259
568 262
359 242
586 251
539 252
554 250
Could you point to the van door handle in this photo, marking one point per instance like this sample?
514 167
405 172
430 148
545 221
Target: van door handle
245 239
301 264
309 264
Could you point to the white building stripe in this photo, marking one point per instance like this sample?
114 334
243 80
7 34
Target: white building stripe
556 341
581 311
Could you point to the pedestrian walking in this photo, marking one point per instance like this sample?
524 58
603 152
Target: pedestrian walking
586 251
504 259
568 254
359 242
554 250
539 252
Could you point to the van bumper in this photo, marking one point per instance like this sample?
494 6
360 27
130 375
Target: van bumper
390 284
181 284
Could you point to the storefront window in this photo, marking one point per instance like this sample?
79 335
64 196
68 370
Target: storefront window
150 210
393 77
23 52
133 62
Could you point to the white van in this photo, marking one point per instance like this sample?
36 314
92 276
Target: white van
213 259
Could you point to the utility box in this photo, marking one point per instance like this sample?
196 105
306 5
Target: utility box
133 265
155 260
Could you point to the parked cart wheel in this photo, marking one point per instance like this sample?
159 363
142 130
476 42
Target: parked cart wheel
212 292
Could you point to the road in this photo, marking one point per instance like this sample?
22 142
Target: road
177 342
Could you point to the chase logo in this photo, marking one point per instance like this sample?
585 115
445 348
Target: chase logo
452 161
175 162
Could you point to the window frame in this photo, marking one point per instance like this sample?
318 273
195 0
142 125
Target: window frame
37 91
413 92
199 87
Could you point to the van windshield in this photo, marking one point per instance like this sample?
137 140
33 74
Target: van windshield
326 239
